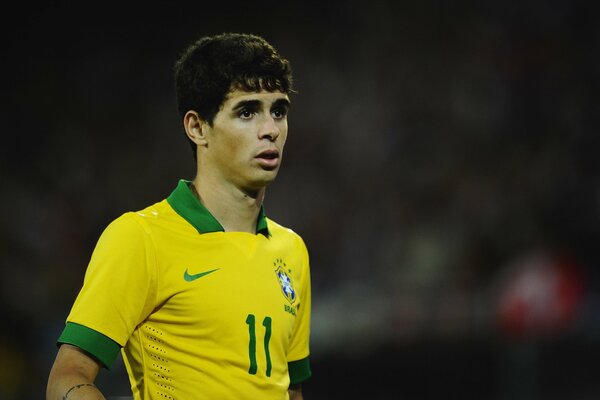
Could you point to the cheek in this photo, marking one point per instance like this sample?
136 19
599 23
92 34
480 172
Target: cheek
283 136
234 146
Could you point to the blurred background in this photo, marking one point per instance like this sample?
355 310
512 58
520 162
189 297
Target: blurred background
441 166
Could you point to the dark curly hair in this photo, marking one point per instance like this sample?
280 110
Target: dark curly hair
212 66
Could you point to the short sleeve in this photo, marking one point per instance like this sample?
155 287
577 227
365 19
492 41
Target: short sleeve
119 288
298 352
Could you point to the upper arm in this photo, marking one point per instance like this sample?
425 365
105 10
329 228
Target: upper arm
119 288
72 367
299 349
295 392
72 360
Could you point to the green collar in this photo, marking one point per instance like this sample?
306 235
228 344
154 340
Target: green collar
189 208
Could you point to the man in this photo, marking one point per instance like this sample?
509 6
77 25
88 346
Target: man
205 296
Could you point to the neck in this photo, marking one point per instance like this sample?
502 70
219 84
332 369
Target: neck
235 209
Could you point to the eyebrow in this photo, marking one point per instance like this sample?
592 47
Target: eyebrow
282 103
254 104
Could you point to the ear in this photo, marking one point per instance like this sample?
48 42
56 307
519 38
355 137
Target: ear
195 127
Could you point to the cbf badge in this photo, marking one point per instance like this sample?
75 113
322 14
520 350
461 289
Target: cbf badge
285 281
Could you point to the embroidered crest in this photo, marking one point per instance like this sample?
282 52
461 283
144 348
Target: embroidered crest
285 281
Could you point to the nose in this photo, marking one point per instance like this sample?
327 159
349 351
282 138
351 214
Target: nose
269 129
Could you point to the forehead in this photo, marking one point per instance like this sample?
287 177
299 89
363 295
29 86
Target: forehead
264 96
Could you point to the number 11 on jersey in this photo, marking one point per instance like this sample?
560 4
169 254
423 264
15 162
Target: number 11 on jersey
251 322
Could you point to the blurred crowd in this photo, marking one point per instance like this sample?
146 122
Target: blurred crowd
441 166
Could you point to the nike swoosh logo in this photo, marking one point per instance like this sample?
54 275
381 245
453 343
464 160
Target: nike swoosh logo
190 278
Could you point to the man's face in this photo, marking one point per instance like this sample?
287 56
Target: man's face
246 140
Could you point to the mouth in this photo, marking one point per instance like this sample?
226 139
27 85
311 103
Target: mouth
268 159
268 154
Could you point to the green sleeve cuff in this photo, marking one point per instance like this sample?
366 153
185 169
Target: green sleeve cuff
103 348
299 370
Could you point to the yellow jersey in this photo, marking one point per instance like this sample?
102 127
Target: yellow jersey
197 312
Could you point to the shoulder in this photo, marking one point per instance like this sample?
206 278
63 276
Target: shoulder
278 229
137 223
281 232
146 217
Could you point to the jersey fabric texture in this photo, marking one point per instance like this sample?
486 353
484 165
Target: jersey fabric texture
197 312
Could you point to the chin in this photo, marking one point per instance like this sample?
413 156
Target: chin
264 180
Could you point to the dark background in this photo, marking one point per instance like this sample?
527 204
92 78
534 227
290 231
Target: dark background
441 166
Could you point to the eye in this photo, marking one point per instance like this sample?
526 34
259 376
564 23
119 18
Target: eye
279 113
245 114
